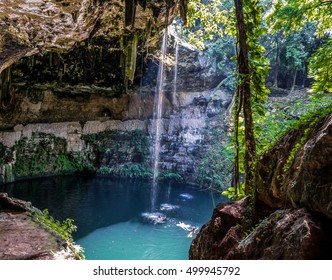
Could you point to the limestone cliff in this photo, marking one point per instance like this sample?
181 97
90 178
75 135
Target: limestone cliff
56 104
70 71
294 198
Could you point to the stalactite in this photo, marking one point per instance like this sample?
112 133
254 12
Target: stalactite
142 4
128 57
5 81
129 12
51 59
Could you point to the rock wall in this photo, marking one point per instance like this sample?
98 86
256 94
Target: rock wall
55 25
293 212
183 138
58 148
72 70
43 111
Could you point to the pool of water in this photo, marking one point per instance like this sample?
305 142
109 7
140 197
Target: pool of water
114 217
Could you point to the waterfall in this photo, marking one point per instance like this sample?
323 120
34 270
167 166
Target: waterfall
175 72
157 117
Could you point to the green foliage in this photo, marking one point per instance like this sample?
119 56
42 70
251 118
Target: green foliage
309 120
282 117
296 29
258 63
63 163
223 50
120 154
295 51
126 170
293 14
213 16
169 176
215 169
45 154
291 17
230 192
290 114
320 65
63 229
207 20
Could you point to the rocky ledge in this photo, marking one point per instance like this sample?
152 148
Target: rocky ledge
294 197
23 238
286 234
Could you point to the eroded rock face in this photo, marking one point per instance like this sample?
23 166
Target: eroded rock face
79 77
72 111
307 180
22 238
292 234
218 239
29 27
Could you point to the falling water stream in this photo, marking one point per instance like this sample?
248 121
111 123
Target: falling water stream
175 72
157 118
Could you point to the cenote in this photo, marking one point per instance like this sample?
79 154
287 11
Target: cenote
114 217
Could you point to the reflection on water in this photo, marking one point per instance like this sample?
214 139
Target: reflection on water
113 216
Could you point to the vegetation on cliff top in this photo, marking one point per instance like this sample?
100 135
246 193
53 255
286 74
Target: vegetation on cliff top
298 40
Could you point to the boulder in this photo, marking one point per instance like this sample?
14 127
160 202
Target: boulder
24 238
219 238
306 182
290 234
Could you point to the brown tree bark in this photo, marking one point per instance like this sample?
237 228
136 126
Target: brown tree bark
275 84
245 93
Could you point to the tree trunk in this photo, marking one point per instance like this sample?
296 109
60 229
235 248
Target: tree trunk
275 84
294 81
304 78
245 94
237 110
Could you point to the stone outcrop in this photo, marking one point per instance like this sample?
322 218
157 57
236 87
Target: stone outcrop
183 137
290 234
306 180
28 28
218 238
294 198
184 142
23 238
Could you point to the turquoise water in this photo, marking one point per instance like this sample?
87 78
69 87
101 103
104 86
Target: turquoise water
114 217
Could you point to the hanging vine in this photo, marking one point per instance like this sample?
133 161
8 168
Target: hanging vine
251 91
